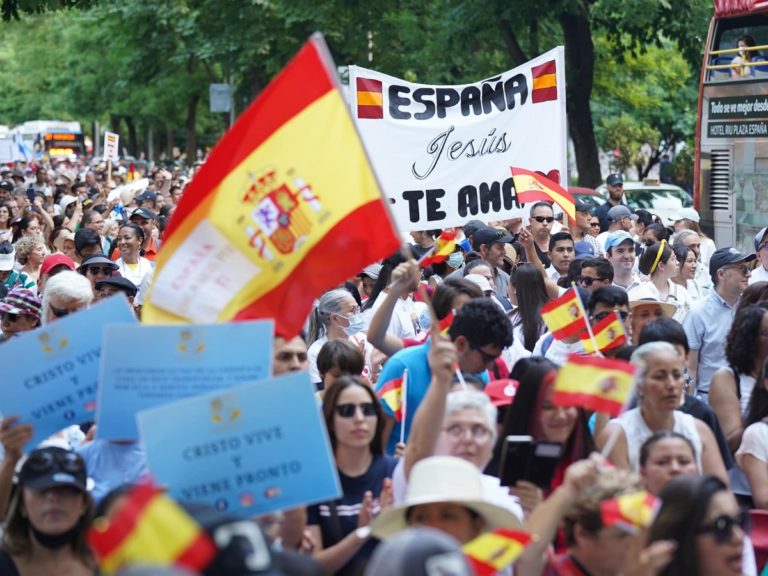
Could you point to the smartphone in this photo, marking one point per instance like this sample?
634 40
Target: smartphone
515 454
31 195
524 459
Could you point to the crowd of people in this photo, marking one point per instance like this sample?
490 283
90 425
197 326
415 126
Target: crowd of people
427 472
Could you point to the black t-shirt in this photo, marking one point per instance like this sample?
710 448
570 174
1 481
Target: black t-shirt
7 567
542 256
348 508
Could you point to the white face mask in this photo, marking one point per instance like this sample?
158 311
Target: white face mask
455 260
356 324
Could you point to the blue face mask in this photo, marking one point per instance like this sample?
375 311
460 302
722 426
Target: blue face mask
455 260
356 324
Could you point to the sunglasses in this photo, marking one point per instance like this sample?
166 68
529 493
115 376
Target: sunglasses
743 269
487 358
542 219
12 318
41 462
103 270
349 410
594 224
722 528
602 315
588 280
58 312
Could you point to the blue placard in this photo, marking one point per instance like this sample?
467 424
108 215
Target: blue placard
147 366
249 450
50 374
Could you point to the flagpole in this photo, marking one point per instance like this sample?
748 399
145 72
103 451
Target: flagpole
403 404
586 320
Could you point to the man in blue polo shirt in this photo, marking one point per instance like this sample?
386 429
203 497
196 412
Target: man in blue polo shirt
480 332
708 324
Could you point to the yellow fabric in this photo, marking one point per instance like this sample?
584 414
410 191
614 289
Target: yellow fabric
369 99
546 81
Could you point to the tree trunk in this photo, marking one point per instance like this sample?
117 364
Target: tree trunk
169 143
580 69
133 144
513 46
534 32
192 128
114 123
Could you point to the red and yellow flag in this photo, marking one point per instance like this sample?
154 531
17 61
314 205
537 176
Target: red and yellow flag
493 551
630 511
533 187
563 316
544 82
149 529
445 323
609 333
599 384
391 394
444 246
286 207
370 103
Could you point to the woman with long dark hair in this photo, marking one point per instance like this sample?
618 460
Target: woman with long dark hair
746 350
355 424
528 293
660 264
752 455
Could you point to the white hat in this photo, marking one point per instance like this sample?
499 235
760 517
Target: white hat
481 282
7 261
642 296
66 201
372 271
687 214
444 479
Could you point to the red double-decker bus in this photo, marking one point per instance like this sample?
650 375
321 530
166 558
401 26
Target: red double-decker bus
731 182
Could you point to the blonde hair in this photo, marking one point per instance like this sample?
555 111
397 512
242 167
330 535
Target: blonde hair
25 245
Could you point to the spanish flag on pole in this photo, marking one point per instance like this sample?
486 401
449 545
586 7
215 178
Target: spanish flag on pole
149 529
444 245
391 394
630 511
599 384
286 207
533 187
609 333
494 551
564 316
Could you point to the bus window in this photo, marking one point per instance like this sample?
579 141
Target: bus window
739 49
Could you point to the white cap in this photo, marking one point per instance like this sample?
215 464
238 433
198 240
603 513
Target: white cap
687 214
480 281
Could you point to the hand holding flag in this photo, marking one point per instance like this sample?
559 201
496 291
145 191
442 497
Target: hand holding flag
532 187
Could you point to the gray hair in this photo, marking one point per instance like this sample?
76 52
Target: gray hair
641 354
472 399
682 235
25 245
69 288
332 302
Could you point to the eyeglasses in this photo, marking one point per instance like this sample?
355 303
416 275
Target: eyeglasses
103 270
762 247
743 269
695 246
40 462
487 358
59 312
722 528
477 431
602 315
11 317
349 410
542 219
588 280
594 224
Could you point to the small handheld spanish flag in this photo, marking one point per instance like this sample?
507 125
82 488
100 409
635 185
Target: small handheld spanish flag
445 323
444 246
391 394
494 551
609 334
150 529
599 384
630 512
533 187
564 316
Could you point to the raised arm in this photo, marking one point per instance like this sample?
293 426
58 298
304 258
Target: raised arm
405 279
526 240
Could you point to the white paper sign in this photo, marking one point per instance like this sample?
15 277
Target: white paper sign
111 146
443 153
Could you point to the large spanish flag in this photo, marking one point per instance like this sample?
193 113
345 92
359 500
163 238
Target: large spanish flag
609 334
494 551
148 528
286 207
564 316
630 511
599 384
533 187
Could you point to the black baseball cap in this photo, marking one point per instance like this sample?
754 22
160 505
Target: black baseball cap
725 256
53 467
7 185
473 226
614 179
583 206
143 213
488 235
120 283
96 259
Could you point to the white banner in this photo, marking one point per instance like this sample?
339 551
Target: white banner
443 153
111 146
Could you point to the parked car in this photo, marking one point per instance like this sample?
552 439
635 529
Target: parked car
662 200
